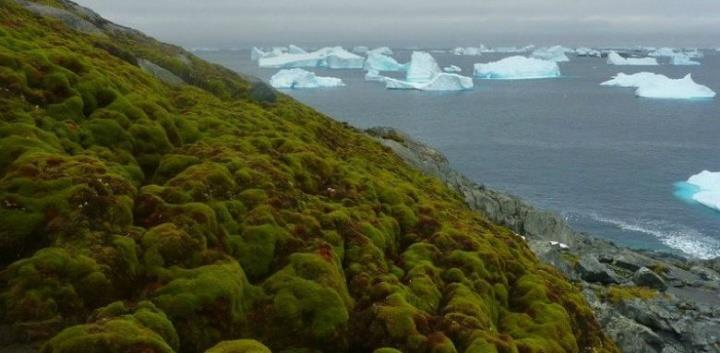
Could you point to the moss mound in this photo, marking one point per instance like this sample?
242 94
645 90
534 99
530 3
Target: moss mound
218 216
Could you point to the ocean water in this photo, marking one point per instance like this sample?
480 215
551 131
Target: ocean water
604 159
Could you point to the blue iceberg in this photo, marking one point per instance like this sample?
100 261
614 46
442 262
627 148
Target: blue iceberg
517 68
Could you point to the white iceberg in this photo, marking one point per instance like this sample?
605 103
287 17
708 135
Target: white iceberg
703 188
452 68
511 50
469 51
374 75
329 57
380 50
441 82
294 49
583 51
614 58
694 54
668 52
422 68
650 85
517 67
256 53
682 59
424 74
299 78
381 62
556 54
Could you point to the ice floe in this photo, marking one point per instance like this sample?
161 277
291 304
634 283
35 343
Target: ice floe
381 50
517 67
555 53
329 57
452 68
668 52
583 51
424 74
299 78
382 62
469 51
650 85
682 59
614 58
703 188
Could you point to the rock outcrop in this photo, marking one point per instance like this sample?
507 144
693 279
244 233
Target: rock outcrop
647 302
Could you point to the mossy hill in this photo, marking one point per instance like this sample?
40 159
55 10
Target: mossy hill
137 215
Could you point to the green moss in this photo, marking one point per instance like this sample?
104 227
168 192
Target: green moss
239 346
619 294
115 187
118 329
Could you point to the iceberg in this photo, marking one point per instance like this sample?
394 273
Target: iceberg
441 82
422 68
517 67
299 78
452 68
650 85
703 188
382 62
329 57
682 59
256 53
424 74
511 50
294 49
583 51
374 75
662 52
469 51
556 54
614 58
381 50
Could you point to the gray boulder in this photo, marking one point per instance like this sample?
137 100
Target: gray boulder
592 270
645 277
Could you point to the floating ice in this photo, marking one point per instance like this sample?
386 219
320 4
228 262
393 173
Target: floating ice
381 50
556 54
424 74
330 57
422 68
583 51
615 59
452 68
662 52
299 78
256 53
441 82
511 50
374 75
682 59
294 49
703 188
381 62
470 51
517 67
651 85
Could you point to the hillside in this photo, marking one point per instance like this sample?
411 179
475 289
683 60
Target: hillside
152 202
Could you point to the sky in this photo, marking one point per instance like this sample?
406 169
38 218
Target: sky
424 23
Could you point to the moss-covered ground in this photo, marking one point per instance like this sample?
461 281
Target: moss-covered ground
137 216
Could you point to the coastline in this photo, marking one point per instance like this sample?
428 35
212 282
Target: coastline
680 308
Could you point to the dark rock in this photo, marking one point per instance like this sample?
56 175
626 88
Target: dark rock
645 277
261 92
591 270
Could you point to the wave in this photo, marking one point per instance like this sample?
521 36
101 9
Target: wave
688 240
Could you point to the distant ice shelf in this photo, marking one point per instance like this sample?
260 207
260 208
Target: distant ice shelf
299 78
517 68
650 85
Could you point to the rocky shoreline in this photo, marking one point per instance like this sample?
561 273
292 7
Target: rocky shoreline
648 302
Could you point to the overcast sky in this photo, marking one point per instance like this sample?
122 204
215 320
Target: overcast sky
444 23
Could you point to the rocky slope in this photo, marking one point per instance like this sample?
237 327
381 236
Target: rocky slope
152 202
647 302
